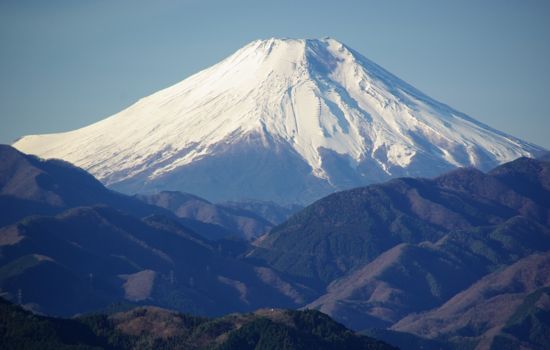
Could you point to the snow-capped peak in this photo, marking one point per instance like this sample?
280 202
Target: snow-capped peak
318 99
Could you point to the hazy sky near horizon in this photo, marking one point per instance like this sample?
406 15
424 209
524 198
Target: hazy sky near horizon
65 64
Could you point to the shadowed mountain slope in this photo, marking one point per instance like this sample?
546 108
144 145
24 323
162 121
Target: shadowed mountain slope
507 309
411 278
379 254
392 255
69 245
230 221
86 258
30 185
345 230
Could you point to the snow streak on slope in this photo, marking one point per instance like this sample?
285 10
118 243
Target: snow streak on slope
313 101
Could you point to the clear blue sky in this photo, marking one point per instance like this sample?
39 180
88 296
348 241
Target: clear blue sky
65 64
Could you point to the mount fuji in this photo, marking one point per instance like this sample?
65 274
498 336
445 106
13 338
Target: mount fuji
285 120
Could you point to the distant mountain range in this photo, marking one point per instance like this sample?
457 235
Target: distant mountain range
281 120
29 185
383 255
69 245
248 219
457 261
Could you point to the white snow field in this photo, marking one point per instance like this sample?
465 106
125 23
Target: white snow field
284 120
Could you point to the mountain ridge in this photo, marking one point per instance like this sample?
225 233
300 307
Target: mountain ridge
374 256
149 327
